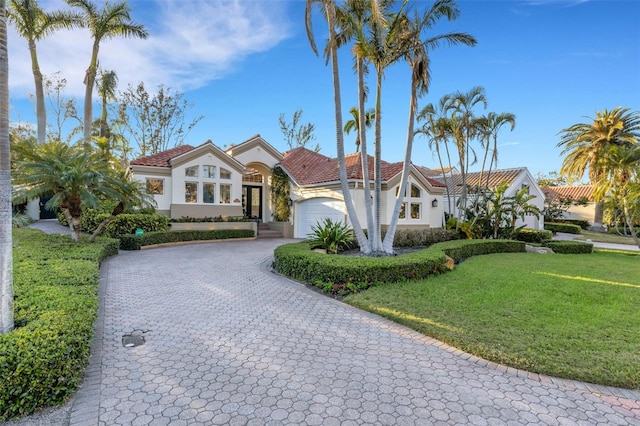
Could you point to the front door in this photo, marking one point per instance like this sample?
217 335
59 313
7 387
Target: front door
45 213
252 201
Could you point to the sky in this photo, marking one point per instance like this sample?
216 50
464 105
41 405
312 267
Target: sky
243 63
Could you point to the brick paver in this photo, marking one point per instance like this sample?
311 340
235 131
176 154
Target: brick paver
229 342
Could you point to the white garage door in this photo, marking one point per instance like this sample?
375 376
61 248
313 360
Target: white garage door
310 211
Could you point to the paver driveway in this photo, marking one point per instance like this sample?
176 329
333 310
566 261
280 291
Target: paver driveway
229 342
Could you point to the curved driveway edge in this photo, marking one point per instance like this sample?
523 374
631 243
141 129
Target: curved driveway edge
229 342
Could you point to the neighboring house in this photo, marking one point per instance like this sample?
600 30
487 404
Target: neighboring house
207 181
575 193
516 178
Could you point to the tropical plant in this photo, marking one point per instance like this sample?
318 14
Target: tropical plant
354 123
6 253
331 236
33 24
72 175
586 147
112 21
489 127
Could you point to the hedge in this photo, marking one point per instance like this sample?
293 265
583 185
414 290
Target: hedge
125 223
348 274
56 300
569 247
421 237
533 235
562 227
135 242
583 224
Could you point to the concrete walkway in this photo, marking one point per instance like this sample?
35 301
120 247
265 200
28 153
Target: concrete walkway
226 341
563 236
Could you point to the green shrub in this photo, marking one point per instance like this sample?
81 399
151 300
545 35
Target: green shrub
348 274
21 220
135 242
56 301
189 219
421 237
569 247
583 224
331 236
562 227
533 235
128 223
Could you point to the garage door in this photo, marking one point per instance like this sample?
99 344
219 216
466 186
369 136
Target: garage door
310 211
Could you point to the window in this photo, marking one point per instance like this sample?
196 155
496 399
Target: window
252 176
191 171
209 172
225 194
208 191
155 186
225 174
525 186
415 210
403 211
191 192
415 191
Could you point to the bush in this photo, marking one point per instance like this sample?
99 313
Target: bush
421 237
583 224
124 224
56 301
348 274
135 242
331 236
20 220
189 219
533 235
562 227
569 247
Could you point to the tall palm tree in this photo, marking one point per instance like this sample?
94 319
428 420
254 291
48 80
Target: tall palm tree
354 123
489 127
107 85
6 254
33 24
329 9
585 146
416 54
110 22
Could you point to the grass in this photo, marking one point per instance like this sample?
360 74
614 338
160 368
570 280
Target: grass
571 316
603 237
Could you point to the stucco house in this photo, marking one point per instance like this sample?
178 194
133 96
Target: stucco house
577 193
208 181
516 178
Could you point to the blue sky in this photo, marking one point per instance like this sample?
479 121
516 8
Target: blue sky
242 63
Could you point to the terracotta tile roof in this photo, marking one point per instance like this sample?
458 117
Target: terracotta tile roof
574 192
161 159
308 168
473 179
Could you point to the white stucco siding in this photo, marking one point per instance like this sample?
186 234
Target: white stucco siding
523 180
257 155
428 215
163 201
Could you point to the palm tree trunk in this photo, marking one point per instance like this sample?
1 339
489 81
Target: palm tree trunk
6 253
364 159
377 167
89 82
598 217
41 111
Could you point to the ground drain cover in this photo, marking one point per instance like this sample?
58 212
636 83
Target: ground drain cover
132 340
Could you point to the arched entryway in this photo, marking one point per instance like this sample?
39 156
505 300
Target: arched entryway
255 192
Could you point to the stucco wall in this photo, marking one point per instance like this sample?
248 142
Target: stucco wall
205 210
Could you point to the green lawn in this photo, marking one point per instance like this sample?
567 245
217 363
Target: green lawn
571 316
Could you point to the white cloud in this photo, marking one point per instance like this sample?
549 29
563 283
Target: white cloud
191 43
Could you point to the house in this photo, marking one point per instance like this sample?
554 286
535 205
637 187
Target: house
585 211
205 181
516 178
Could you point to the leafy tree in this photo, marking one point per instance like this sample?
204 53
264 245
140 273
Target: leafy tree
61 107
73 174
33 24
155 122
6 253
552 178
112 21
586 147
296 134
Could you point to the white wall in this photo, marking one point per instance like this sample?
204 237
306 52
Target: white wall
163 201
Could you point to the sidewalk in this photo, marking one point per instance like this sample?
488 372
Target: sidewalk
561 236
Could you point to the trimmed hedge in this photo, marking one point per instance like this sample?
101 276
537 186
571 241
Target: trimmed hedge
562 227
56 300
125 223
421 237
583 224
569 247
135 242
348 274
533 235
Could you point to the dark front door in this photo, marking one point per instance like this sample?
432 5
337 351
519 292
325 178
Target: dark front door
252 201
45 213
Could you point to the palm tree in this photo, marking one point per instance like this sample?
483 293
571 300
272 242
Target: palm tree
74 175
6 254
331 53
107 84
113 21
33 24
586 146
354 123
416 54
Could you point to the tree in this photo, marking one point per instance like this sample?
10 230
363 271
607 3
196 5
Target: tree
113 21
354 123
155 122
552 178
296 134
489 127
33 24
61 107
586 146
73 174
6 253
